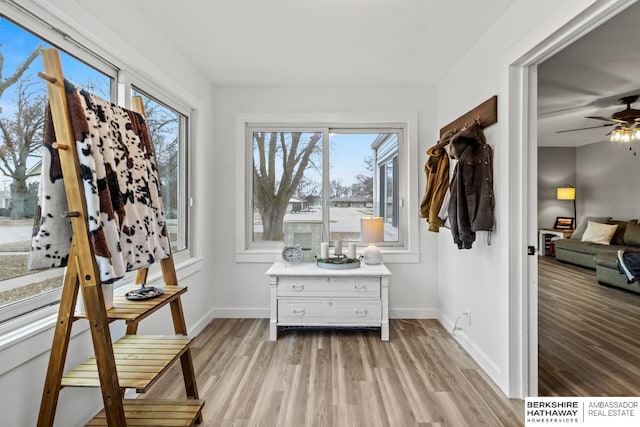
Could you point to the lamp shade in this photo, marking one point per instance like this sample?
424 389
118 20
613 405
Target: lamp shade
566 193
371 229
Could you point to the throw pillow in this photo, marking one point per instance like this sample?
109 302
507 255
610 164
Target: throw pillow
599 233
618 237
582 225
632 233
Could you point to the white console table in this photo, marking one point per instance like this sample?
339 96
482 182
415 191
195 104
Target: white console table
306 295
542 237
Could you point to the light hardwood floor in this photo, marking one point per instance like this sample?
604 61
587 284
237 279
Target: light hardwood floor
588 334
421 377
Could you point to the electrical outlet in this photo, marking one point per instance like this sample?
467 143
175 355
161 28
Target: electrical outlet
467 312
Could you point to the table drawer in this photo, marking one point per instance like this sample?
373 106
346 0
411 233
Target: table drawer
329 312
341 287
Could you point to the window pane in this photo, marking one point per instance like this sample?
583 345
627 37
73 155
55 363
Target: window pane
353 183
387 206
21 117
287 187
167 130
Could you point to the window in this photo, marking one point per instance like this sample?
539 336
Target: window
322 180
168 129
21 119
387 166
22 102
352 181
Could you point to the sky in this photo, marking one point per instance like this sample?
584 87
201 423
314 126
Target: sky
346 158
15 45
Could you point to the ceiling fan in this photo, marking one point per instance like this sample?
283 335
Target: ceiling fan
623 119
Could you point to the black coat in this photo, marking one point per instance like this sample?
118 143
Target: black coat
472 199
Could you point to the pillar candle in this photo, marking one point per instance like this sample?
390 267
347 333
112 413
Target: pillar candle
324 250
338 250
352 250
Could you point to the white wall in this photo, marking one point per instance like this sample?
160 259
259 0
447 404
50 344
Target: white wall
608 177
479 279
556 168
241 288
605 175
23 364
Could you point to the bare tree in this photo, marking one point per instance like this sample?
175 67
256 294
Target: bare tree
308 190
21 138
275 184
364 185
19 71
337 189
19 134
163 128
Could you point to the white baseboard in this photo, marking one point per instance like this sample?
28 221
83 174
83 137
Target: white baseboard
202 323
487 365
241 313
413 313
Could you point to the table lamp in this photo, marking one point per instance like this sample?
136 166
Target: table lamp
568 193
371 232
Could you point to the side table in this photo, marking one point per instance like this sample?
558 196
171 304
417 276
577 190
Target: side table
544 233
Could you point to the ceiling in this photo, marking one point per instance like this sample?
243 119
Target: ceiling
378 42
586 79
313 41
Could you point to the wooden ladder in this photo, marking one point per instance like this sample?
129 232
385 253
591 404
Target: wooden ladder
116 366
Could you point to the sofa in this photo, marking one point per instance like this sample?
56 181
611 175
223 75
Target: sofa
601 257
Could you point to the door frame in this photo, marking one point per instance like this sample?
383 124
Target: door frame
523 183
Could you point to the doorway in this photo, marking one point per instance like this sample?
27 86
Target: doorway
524 99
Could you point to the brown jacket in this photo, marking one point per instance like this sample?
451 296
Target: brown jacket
436 169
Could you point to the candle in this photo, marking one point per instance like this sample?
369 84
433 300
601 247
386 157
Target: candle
338 250
324 250
352 250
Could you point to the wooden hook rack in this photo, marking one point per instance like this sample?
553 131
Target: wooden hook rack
486 114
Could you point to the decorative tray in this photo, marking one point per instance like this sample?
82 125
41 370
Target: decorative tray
338 263
143 292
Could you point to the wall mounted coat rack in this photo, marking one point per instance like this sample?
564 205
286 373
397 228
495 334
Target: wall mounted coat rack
486 113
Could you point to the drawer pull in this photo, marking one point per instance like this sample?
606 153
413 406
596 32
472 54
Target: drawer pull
359 287
362 312
329 303
297 287
298 311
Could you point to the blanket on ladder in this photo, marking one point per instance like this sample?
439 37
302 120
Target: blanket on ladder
126 222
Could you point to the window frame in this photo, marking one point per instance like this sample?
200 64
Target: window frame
183 173
247 251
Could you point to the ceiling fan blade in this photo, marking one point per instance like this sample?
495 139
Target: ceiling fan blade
606 119
590 127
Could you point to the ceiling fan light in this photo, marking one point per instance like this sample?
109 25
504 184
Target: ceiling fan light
626 136
636 133
616 134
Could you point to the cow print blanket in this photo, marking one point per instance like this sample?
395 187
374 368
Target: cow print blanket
126 221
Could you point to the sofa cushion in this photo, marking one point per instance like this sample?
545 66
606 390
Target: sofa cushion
584 221
574 245
632 233
599 233
618 237
607 257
